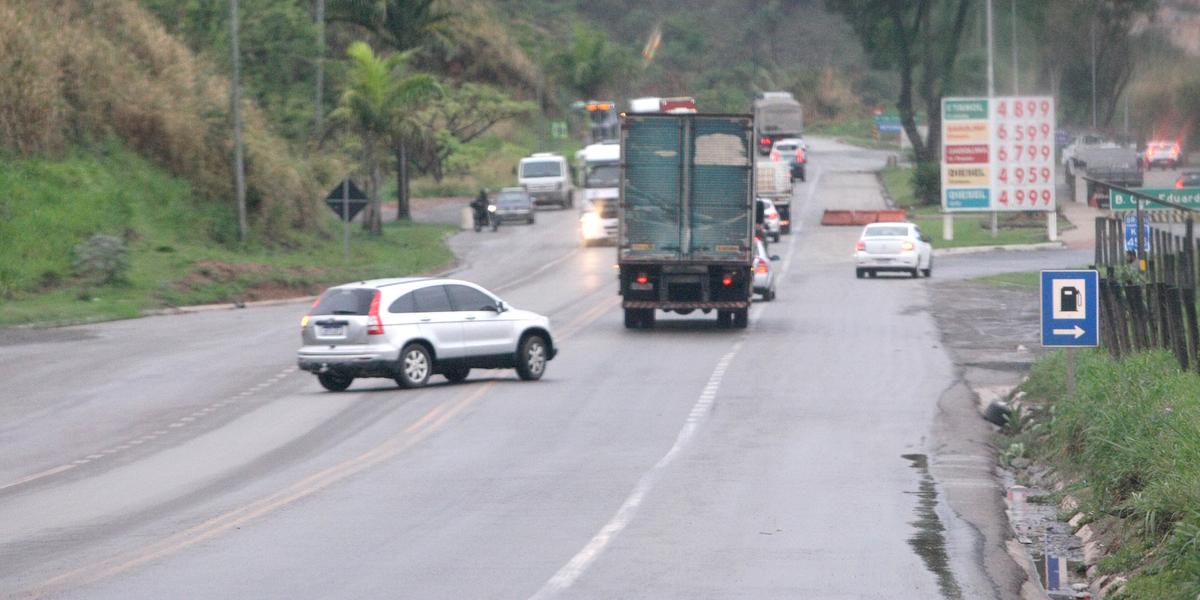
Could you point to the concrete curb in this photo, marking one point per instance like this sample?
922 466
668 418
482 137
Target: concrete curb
999 247
1032 588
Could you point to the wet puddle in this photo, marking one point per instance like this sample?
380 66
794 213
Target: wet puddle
928 541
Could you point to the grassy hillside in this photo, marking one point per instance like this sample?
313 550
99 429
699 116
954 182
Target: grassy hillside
48 206
109 69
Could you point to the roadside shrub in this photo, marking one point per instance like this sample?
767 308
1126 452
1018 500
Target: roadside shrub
1131 436
927 182
102 259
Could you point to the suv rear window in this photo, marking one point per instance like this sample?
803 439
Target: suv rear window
541 168
345 301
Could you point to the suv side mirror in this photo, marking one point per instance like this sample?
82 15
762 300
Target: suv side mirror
501 306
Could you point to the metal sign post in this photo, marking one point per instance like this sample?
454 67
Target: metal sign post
346 200
346 220
1070 314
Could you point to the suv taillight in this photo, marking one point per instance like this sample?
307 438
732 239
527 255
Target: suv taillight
860 245
374 323
761 267
906 245
304 320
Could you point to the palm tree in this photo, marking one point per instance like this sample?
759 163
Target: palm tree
401 24
377 96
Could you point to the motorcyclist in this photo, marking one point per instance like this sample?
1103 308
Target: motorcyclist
480 208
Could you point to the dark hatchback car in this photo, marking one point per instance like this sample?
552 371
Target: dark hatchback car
514 204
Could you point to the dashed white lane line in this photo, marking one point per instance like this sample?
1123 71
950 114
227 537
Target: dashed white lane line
152 436
570 572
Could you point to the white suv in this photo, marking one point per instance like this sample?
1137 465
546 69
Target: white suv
408 329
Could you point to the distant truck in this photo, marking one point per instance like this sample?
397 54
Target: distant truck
777 115
654 104
599 168
1108 161
773 180
686 216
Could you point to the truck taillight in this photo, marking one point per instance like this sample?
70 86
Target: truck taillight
860 245
642 278
799 155
374 323
727 280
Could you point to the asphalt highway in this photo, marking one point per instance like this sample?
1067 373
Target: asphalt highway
185 456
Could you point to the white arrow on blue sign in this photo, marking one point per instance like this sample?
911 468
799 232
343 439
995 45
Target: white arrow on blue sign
1070 309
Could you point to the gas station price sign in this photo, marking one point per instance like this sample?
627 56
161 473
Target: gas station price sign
998 154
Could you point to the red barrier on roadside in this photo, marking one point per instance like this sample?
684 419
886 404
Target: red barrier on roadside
898 215
837 217
862 217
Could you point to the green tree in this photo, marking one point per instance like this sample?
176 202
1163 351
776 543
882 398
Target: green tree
590 62
461 115
399 24
920 40
377 91
1064 31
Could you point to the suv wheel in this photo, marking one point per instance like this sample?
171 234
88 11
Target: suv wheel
457 374
531 358
334 382
415 366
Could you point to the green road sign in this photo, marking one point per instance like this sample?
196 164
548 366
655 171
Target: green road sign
1189 197
966 108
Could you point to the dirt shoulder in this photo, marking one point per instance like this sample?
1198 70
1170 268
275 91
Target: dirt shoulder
989 332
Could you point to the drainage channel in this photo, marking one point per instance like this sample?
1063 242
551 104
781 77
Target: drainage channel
929 541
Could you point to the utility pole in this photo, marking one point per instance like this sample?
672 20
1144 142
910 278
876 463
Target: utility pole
318 122
991 84
235 108
1093 22
991 72
1016 66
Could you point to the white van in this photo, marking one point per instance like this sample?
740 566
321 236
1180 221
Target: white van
547 178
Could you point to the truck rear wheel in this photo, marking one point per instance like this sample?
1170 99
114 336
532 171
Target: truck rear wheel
639 318
741 318
724 318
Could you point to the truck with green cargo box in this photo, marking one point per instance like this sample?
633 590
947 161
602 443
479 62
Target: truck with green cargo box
686 216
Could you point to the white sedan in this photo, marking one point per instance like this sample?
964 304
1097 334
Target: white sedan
893 247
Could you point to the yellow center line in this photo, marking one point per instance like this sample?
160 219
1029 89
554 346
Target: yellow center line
36 476
418 431
413 434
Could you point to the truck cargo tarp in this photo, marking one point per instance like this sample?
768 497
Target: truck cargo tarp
652 179
715 225
720 179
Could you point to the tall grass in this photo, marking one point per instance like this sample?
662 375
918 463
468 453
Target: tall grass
1131 437
79 71
49 206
